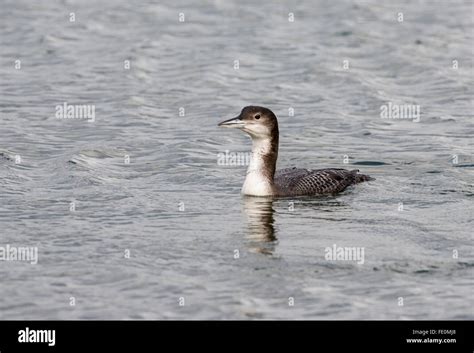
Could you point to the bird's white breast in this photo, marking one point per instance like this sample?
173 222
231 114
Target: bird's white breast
256 185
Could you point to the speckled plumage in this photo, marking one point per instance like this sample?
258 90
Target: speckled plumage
297 181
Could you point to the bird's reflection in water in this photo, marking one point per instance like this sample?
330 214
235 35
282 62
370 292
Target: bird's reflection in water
261 231
259 212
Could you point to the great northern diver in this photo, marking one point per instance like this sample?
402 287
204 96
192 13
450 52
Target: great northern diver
262 180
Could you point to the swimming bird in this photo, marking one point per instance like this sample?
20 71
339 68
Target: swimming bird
262 179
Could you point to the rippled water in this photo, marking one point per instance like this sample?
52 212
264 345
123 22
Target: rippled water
179 213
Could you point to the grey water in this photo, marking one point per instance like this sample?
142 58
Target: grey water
132 214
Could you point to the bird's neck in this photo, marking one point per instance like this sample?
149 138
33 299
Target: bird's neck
261 170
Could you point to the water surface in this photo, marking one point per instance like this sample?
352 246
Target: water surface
179 214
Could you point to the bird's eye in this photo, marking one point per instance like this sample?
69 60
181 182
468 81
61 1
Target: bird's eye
257 116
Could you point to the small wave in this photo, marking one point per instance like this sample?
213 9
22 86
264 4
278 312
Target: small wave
102 165
370 163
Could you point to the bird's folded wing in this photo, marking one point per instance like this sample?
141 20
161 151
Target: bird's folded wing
321 181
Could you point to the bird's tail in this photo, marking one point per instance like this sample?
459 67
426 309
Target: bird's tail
360 178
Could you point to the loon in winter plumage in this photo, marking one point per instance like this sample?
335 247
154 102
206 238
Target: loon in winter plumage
262 179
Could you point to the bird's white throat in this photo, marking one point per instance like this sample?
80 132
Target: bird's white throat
259 179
